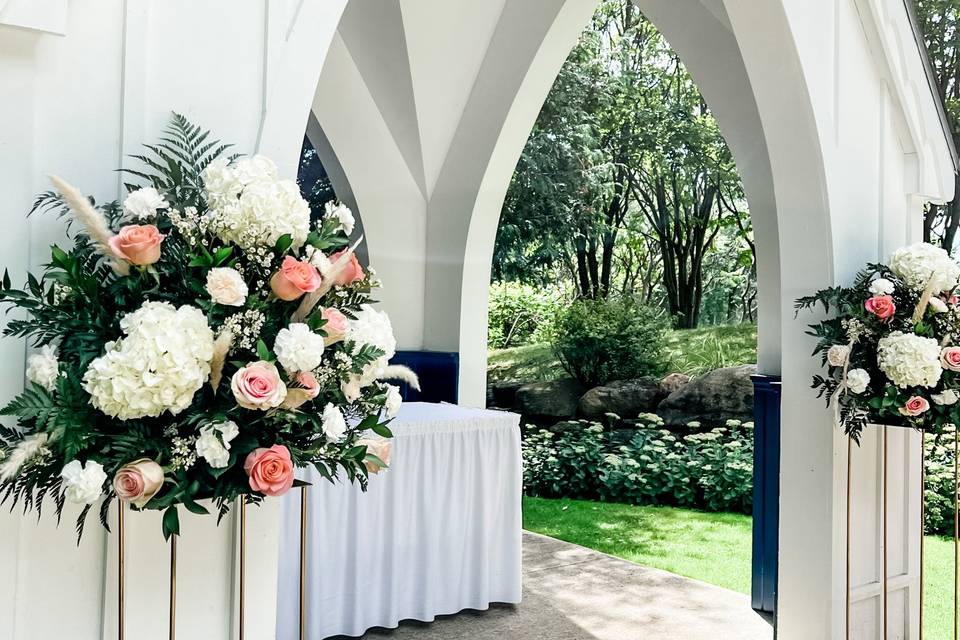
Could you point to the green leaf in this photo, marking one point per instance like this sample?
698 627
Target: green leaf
193 507
222 255
382 430
263 352
283 243
171 522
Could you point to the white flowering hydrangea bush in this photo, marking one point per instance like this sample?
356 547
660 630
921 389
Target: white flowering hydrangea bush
890 343
200 340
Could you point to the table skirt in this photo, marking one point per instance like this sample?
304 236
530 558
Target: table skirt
438 533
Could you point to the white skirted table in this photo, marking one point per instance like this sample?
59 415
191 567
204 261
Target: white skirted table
438 533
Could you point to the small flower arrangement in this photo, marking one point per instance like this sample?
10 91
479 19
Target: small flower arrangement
198 342
892 345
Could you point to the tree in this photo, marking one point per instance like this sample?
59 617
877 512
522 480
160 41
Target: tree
938 20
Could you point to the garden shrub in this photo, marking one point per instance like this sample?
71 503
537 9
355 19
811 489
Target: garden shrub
938 492
598 341
520 314
707 470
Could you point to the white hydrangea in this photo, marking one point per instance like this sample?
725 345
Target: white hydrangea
334 425
298 348
251 207
881 287
43 368
83 483
342 214
857 380
143 204
162 361
946 397
909 360
394 401
372 327
923 263
216 449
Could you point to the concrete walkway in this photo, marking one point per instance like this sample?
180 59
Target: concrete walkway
573 593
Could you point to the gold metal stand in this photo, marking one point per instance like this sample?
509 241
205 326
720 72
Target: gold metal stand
173 588
303 563
121 569
243 567
923 516
885 509
956 528
849 485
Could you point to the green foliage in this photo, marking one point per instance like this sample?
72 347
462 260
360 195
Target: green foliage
520 314
708 470
598 341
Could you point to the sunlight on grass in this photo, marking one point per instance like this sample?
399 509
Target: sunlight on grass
712 547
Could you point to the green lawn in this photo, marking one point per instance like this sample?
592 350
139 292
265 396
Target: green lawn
713 547
691 351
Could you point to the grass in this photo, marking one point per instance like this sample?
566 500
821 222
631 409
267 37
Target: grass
690 351
712 547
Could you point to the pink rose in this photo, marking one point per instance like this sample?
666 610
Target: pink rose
336 326
351 272
258 386
295 278
270 470
138 481
915 406
308 381
950 358
881 306
952 300
137 244
380 448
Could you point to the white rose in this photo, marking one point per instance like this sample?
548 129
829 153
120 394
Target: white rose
857 380
334 426
937 305
43 368
342 214
946 397
351 388
881 287
298 348
226 286
394 400
216 450
910 360
837 355
142 204
83 484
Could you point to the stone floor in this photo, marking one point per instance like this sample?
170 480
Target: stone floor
573 593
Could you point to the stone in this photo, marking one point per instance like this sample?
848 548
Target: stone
505 393
551 399
626 398
712 398
673 382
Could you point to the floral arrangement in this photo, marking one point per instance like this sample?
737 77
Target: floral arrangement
199 341
892 347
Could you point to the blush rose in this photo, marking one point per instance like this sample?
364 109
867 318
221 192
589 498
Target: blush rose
950 358
351 272
270 470
138 481
881 306
336 326
915 406
258 386
295 278
138 244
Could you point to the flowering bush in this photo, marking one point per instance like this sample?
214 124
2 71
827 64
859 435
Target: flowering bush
197 342
891 347
710 470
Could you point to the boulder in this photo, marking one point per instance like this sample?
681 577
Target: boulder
673 382
504 394
712 398
626 398
551 399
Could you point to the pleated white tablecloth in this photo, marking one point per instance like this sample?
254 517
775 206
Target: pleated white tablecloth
438 533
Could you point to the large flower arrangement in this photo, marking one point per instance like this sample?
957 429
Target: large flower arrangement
892 345
199 341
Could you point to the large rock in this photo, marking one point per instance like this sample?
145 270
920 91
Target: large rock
673 382
504 394
712 398
626 398
551 399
